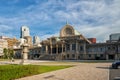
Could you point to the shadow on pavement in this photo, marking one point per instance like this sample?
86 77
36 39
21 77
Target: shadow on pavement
53 77
103 67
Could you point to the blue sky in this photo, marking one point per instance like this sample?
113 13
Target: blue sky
45 18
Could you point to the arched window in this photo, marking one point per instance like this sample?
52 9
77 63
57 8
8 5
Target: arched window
68 31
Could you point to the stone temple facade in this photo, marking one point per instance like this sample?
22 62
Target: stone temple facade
72 45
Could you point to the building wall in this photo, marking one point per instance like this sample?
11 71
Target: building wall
76 51
11 42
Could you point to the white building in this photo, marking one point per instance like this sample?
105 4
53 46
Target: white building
25 31
115 37
3 44
3 37
36 40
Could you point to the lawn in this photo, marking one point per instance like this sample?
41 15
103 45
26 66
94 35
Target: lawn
10 72
3 59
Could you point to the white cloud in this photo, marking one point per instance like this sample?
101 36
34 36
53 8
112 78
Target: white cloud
105 18
93 18
5 27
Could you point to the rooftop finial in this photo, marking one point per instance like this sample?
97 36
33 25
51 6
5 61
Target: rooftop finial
66 22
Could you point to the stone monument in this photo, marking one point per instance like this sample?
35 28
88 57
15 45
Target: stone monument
25 51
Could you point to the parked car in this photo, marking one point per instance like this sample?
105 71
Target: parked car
116 64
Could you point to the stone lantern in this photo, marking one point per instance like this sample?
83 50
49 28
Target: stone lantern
25 51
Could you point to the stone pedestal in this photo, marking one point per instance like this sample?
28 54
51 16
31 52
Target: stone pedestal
24 54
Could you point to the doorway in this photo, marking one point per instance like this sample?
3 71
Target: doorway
111 57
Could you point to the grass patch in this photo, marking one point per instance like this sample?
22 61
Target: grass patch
10 72
3 59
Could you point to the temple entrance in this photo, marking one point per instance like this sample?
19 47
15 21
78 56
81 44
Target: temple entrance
54 50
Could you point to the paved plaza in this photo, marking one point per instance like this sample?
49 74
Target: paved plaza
79 71
114 74
82 71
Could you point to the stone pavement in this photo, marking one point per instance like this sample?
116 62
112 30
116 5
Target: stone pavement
114 73
83 71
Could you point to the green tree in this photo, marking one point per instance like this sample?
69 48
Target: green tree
11 54
8 53
5 51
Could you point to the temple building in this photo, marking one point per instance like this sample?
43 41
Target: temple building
69 45
72 45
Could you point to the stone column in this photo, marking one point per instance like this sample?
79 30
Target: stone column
107 58
76 50
76 46
56 48
70 47
70 55
46 49
62 52
51 49
116 57
65 48
84 47
62 47
65 51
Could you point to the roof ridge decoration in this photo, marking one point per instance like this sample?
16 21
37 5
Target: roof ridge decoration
66 22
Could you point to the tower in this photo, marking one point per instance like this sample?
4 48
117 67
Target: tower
24 31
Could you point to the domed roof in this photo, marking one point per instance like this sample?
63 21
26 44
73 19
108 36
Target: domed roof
68 30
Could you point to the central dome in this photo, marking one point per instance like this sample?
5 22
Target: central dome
67 30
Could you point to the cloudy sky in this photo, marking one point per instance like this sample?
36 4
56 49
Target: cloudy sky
45 18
